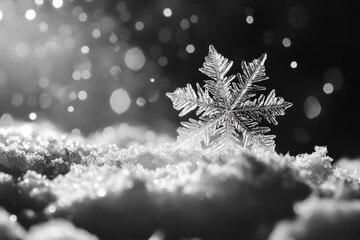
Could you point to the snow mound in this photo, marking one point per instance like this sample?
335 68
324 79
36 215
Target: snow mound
321 219
158 191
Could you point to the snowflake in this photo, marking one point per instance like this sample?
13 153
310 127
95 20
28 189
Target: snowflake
228 116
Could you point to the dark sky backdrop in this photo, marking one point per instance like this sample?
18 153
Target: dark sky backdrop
324 35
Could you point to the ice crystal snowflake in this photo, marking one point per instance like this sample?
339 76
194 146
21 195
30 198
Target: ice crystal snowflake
228 116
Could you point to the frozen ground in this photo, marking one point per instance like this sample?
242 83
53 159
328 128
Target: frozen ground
59 186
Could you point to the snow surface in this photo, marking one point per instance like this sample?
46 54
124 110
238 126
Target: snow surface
51 180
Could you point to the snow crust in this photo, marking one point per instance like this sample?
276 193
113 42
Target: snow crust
137 192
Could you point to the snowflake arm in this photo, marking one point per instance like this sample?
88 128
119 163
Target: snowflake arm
252 72
254 136
187 100
194 132
264 107
216 67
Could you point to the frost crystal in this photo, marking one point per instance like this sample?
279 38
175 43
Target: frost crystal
228 116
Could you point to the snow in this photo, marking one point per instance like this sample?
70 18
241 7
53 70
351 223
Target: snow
321 219
142 191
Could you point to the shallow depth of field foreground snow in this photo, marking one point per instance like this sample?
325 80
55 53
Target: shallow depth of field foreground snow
56 186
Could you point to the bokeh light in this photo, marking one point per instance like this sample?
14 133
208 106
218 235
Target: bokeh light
57 3
135 59
249 19
334 76
30 14
32 116
286 42
293 64
120 101
328 88
167 12
312 107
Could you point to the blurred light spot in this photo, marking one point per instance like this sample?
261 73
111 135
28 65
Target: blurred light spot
70 109
249 19
101 192
30 14
44 82
293 64
268 37
301 135
286 42
85 49
72 95
65 30
113 38
51 208
190 48
167 12
83 17
298 17
76 132
57 3
328 88
45 100
158 235
194 18
115 71
86 74
6 120
134 59
140 101
125 16
17 99
109 132
82 95
1 15
32 116
334 76
22 49
163 61
39 2
121 6
153 97
152 80
96 33
43 27
120 101
13 218
185 24
165 35
139 25
312 107
76 75
77 11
